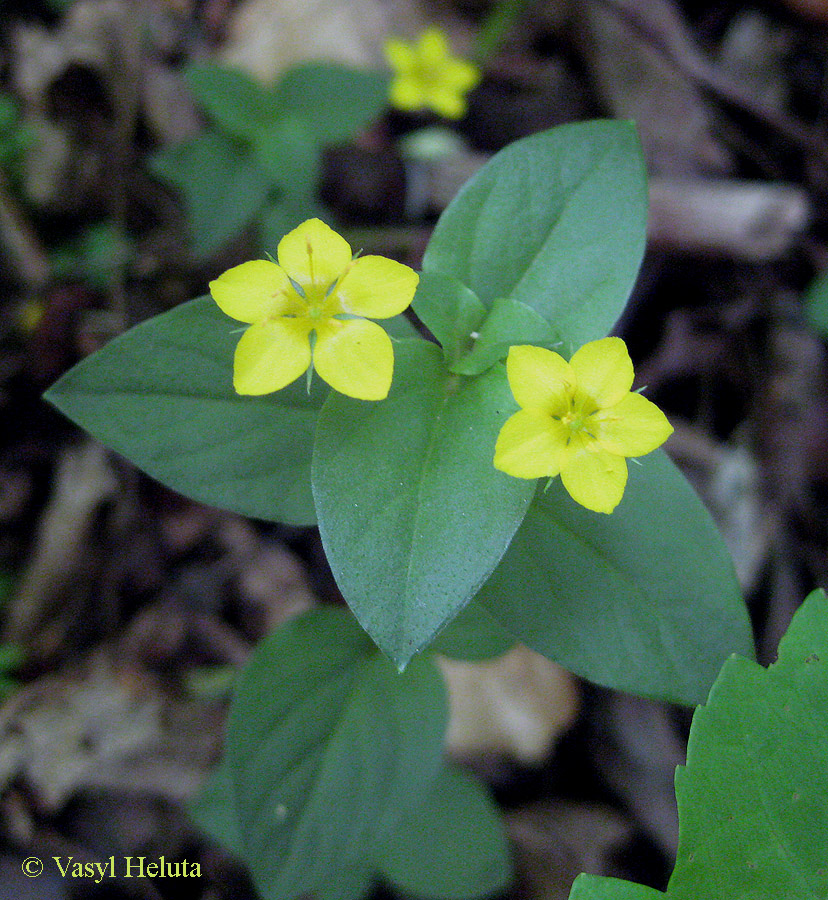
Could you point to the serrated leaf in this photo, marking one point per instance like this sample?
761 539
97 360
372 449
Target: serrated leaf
325 753
334 101
162 395
753 797
412 513
231 98
557 221
467 854
222 184
644 600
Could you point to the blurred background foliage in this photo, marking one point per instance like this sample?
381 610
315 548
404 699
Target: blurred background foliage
146 146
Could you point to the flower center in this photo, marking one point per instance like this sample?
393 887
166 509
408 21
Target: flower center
573 421
428 74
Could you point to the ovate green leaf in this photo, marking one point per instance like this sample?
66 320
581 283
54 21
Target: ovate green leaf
162 395
557 221
753 797
231 98
508 322
214 809
451 311
222 184
474 634
594 887
292 156
815 303
644 600
452 847
412 513
334 101
329 749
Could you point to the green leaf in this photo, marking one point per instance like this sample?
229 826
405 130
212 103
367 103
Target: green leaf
508 322
231 98
162 395
451 311
222 184
474 635
94 255
557 221
412 513
336 102
12 656
753 797
292 156
816 304
350 884
399 328
594 887
329 748
282 214
452 847
644 600
214 809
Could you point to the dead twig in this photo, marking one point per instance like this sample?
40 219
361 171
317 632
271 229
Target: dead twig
662 28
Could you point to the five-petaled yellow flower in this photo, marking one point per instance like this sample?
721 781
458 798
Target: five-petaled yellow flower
578 419
426 75
319 289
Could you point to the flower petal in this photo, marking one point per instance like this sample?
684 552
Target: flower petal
376 287
271 355
433 47
604 370
253 291
446 101
530 445
460 74
355 357
594 478
314 254
540 379
401 56
632 427
406 93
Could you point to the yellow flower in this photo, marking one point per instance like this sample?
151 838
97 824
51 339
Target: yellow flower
426 75
315 284
578 419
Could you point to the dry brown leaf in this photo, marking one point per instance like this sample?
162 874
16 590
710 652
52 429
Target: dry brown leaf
636 82
515 706
555 842
267 36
